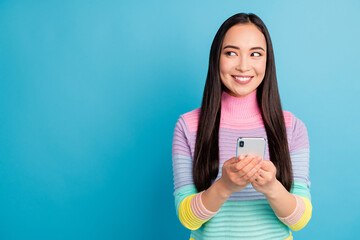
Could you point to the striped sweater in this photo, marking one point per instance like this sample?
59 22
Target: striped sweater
247 213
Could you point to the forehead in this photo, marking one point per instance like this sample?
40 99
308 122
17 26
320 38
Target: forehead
244 36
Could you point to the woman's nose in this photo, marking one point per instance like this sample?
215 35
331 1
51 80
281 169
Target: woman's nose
243 64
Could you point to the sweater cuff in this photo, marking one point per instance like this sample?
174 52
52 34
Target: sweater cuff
297 213
199 209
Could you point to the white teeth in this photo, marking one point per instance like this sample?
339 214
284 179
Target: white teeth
242 79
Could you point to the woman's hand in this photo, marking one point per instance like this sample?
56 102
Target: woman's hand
266 181
238 173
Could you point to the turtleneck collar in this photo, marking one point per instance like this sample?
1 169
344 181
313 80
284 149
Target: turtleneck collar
239 107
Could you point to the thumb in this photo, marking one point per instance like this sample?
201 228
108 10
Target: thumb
230 161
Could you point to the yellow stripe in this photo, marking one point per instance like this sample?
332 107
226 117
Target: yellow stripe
290 237
305 217
187 217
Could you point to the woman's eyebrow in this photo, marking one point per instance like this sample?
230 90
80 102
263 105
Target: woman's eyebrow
253 48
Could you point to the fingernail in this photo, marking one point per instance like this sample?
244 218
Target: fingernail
241 157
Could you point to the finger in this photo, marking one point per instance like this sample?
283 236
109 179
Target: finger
238 165
254 177
267 166
240 158
253 163
247 163
265 173
260 180
252 171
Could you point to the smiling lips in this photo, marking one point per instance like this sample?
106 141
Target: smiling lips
242 79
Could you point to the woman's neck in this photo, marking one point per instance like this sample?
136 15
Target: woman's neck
239 107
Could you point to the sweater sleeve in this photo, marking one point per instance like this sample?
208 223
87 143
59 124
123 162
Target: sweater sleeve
299 154
184 188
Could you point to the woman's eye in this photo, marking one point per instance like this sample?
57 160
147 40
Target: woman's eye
230 53
256 54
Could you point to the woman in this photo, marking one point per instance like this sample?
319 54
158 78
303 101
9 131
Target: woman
218 196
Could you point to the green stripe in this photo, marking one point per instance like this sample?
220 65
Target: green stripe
301 189
246 219
250 219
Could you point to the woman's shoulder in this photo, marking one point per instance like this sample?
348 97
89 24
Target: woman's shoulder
288 117
191 119
292 120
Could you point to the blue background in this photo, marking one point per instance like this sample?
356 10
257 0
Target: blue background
90 92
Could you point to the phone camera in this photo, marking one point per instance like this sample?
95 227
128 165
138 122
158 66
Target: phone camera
241 143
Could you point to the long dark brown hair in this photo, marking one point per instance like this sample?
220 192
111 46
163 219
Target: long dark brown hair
206 156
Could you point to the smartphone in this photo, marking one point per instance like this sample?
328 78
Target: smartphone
254 145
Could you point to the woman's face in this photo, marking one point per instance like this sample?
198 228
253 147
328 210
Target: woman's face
243 59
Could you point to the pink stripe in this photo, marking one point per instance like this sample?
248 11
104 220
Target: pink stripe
251 123
199 209
192 119
297 213
288 116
